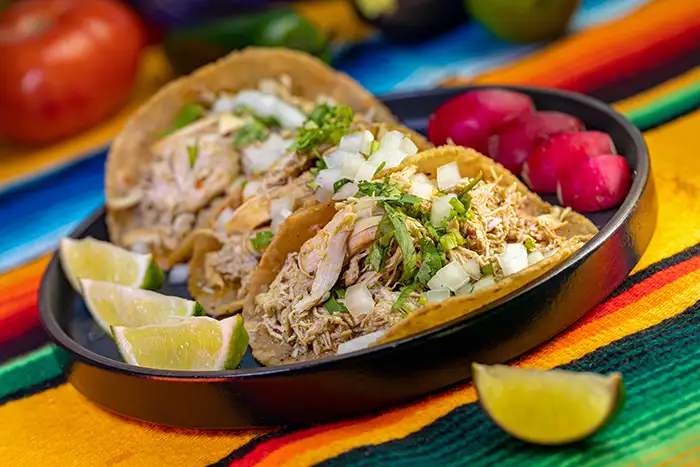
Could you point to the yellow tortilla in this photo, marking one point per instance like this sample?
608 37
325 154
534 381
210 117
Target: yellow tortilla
131 149
296 231
254 213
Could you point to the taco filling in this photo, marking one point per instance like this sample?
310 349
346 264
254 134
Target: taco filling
225 146
229 261
398 244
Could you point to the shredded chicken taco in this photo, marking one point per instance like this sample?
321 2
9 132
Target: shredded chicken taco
219 136
435 239
226 254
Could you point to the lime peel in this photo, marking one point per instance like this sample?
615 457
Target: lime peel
548 407
89 258
194 344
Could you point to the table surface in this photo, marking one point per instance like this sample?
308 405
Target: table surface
642 56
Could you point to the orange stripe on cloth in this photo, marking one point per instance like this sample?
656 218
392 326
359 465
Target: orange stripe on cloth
18 299
600 55
662 296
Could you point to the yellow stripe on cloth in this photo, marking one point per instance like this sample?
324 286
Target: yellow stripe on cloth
59 427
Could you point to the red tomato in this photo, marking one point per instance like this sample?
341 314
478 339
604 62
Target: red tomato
64 65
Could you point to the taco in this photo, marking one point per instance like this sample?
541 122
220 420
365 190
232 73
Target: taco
198 140
226 254
436 239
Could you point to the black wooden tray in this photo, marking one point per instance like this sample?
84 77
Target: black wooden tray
349 385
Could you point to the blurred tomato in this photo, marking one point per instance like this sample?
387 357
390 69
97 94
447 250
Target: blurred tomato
64 65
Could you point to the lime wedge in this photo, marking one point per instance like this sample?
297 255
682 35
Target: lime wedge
548 407
117 305
94 259
192 344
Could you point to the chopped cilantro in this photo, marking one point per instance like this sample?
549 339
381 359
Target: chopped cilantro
432 231
404 239
409 199
339 184
474 181
326 125
340 293
487 269
261 239
376 256
451 240
381 189
466 200
187 114
432 262
405 292
255 130
530 244
379 169
334 306
192 152
457 206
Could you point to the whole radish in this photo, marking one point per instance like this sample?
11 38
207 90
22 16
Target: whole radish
595 184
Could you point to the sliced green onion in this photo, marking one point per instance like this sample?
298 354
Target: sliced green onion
451 240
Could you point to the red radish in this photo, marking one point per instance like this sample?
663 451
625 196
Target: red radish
511 145
542 166
594 184
470 118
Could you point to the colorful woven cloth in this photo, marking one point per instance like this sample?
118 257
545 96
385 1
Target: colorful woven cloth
644 59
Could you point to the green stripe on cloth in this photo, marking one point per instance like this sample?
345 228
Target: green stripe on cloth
31 370
666 107
660 369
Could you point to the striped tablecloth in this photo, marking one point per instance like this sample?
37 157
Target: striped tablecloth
642 56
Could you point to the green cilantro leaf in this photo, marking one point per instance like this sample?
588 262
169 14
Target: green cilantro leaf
326 125
334 306
432 262
253 131
405 292
340 183
192 153
404 239
487 269
188 113
261 239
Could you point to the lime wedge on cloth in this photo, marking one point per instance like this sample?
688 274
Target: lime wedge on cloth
192 344
117 305
94 259
548 407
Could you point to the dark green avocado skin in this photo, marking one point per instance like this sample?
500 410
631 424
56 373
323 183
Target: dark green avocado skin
416 20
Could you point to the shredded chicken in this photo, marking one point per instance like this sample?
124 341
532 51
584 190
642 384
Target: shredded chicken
293 310
231 267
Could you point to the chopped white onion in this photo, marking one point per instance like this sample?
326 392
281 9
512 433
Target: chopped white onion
391 157
266 105
259 158
441 209
392 140
466 289
448 175
251 189
280 210
452 276
358 300
229 123
471 266
552 252
484 282
534 257
366 171
327 177
140 247
408 146
440 295
179 273
279 220
421 186
360 343
224 103
335 160
352 161
357 142
235 185
323 195
346 191
513 258
225 216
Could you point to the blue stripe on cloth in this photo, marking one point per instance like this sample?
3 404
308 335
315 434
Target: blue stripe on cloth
34 218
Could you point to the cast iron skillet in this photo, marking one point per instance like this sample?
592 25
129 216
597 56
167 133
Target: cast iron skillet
348 385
